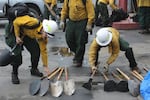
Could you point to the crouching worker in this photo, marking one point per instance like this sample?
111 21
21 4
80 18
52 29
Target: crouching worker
109 37
33 38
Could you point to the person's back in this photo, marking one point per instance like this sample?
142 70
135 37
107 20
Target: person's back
22 22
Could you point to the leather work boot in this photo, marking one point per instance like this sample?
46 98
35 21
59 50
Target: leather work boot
77 64
15 79
36 72
136 69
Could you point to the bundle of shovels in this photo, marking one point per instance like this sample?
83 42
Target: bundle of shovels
41 86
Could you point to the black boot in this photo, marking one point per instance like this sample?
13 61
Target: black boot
36 72
15 79
132 63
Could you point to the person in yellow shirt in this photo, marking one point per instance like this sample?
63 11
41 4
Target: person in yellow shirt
110 37
103 11
80 18
144 15
50 9
37 35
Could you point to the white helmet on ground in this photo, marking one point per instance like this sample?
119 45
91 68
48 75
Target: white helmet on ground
103 37
49 26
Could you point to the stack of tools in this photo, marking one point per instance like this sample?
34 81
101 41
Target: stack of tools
41 86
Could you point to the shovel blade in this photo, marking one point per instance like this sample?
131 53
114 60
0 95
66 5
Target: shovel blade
56 89
88 85
134 88
69 87
34 87
44 87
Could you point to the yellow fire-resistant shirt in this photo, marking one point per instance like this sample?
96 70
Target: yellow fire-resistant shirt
52 2
113 47
110 2
32 33
143 3
76 10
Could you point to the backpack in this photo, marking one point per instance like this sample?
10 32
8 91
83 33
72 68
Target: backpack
19 9
118 15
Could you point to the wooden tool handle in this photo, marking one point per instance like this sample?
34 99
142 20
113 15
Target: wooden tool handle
136 76
116 76
145 69
105 77
54 73
60 73
93 73
66 73
139 75
123 74
49 73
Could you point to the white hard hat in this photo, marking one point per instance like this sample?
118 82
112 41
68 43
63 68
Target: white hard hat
103 37
49 26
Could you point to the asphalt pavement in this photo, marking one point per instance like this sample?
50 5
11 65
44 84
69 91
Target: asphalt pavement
141 48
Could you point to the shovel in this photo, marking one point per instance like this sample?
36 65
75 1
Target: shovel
35 85
134 88
145 69
6 56
45 83
69 84
57 87
88 85
109 85
137 75
122 85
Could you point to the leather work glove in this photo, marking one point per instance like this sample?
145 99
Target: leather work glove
106 68
88 28
61 25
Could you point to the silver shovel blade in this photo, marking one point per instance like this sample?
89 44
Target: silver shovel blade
44 87
56 88
134 88
34 87
69 87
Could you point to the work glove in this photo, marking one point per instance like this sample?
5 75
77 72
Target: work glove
93 68
106 68
61 25
88 28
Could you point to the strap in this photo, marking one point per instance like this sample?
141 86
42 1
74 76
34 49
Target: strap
33 26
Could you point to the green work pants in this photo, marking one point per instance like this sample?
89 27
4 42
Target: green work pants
104 13
47 13
76 38
124 46
144 17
